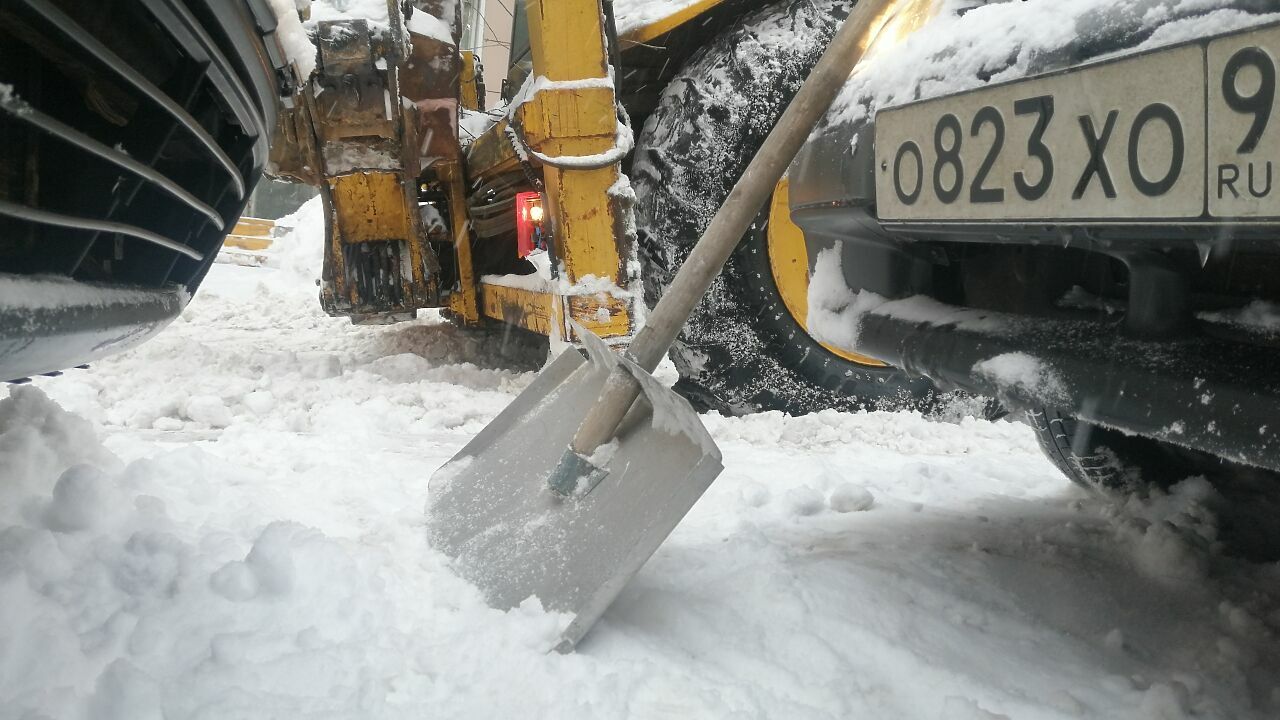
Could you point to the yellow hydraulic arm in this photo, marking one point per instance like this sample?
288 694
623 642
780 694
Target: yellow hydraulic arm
566 125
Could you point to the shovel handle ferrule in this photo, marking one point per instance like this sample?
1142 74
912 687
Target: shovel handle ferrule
575 475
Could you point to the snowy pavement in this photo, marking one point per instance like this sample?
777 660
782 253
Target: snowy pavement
227 522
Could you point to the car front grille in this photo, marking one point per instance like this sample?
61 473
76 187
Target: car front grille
131 132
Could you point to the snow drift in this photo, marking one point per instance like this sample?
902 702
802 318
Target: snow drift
227 522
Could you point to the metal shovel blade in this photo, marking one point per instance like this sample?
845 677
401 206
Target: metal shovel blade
490 508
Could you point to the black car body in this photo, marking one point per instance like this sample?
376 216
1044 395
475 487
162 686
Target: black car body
131 134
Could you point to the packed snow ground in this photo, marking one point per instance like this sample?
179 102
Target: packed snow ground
228 522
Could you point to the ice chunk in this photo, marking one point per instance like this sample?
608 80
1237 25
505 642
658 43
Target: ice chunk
1025 373
81 497
152 564
402 368
271 558
804 500
208 409
849 497
260 402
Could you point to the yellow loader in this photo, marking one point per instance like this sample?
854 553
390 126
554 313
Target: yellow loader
623 131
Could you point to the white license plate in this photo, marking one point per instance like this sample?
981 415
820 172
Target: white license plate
1186 134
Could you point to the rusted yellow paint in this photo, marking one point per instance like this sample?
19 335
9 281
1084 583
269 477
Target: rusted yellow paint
536 311
665 25
253 227
567 39
587 223
491 154
463 302
253 234
544 312
605 316
789 261
370 206
570 122
244 242
468 91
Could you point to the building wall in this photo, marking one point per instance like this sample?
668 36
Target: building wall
495 52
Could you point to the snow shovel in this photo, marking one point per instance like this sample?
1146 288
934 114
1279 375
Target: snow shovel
523 516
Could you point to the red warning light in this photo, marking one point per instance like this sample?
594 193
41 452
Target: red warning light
530 232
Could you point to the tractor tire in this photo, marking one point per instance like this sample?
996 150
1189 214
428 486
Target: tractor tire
743 350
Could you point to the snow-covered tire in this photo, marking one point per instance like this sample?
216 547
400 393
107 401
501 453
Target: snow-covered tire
1108 461
742 351
1245 500
1074 449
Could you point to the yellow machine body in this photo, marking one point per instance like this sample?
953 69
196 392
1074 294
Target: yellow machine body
376 129
410 213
